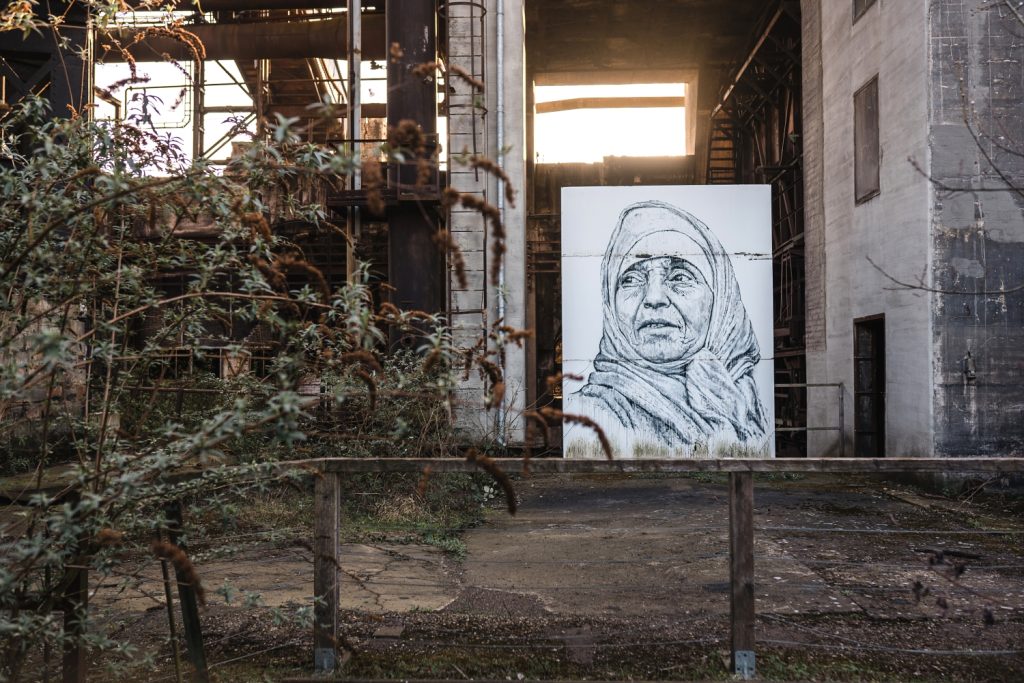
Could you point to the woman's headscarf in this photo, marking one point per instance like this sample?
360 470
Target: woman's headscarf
643 393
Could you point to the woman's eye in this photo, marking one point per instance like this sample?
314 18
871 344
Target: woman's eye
631 280
680 277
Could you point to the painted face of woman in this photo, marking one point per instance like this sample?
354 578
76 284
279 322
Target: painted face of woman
663 307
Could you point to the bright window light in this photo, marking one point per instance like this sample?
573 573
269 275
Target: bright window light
588 134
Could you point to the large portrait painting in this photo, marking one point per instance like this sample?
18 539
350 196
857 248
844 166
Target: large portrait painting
667 320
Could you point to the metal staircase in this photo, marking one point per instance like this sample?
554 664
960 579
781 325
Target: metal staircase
722 168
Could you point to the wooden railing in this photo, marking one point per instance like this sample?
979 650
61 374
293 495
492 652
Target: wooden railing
327 532
326 563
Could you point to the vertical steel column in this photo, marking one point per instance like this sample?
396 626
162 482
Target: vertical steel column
260 100
415 262
355 116
198 109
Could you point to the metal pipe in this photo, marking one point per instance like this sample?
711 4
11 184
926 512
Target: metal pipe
500 158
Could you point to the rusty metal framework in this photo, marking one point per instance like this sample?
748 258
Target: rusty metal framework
755 137
49 63
270 59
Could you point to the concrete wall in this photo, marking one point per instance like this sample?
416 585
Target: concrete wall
890 40
822 405
977 137
476 306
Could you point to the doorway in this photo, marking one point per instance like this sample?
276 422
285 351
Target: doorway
869 387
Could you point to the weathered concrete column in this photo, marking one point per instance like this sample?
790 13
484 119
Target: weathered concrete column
467 133
514 162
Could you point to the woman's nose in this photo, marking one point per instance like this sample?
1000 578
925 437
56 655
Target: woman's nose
655 297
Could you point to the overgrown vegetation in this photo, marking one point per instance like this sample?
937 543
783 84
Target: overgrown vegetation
159 335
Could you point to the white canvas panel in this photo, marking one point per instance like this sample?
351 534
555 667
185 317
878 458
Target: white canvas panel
667 320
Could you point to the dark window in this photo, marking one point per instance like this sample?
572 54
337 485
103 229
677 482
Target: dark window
860 7
866 152
869 388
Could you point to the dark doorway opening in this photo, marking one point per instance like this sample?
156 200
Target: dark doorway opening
869 387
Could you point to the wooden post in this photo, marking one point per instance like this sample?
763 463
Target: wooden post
189 604
741 572
75 605
169 604
326 559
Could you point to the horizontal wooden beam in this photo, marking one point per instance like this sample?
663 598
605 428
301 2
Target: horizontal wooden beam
682 465
59 480
609 103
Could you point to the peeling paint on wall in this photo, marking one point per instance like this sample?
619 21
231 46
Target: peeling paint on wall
977 119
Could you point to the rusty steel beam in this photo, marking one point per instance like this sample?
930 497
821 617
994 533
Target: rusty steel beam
244 5
247 5
415 262
262 40
738 77
371 110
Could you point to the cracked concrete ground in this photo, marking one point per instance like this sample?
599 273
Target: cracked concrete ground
643 547
375 578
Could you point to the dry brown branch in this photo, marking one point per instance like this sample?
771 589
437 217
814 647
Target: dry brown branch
450 197
490 166
488 465
427 69
373 183
558 416
407 135
292 263
258 225
555 381
269 271
533 417
364 357
107 538
371 387
466 76
516 336
388 311
445 240
165 550
921 286
496 396
493 215
431 361
421 487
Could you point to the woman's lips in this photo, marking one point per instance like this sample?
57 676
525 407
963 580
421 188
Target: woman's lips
657 323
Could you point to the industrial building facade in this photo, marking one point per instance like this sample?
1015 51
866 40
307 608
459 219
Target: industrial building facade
890 131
